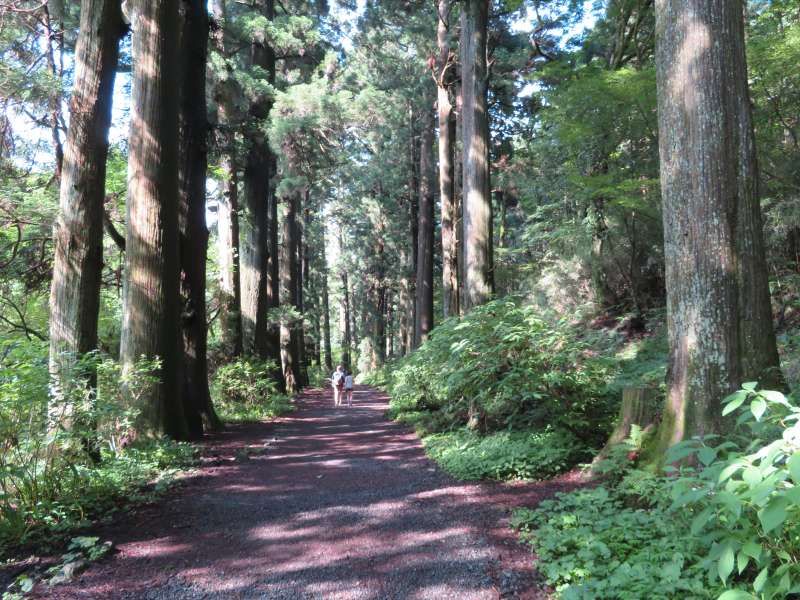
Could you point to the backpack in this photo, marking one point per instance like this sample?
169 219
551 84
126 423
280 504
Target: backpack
338 379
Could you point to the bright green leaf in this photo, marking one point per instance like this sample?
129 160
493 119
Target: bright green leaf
794 467
758 407
734 401
725 564
735 595
761 580
774 514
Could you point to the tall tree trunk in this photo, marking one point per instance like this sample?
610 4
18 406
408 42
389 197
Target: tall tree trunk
228 212
346 340
326 312
478 284
354 329
447 132
700 152
258 198
151 300
377 294
288 273
502 235
78 231
413 207
255 246
379 326
458 190
228 253
389 326
404 301
299 284
424 290
54 34
603 294
310 293
200 414
273 271
760 360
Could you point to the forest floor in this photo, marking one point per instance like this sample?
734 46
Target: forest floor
325 503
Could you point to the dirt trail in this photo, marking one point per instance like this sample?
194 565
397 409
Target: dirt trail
327 503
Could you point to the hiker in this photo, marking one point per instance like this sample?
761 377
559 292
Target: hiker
348 388
337 380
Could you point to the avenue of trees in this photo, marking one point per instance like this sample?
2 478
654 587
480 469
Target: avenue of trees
186 184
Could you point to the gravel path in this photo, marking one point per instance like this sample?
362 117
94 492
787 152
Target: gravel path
327 503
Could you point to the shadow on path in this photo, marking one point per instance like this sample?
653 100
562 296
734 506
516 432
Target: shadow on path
326 503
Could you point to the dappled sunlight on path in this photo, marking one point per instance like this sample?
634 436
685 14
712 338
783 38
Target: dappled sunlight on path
325 503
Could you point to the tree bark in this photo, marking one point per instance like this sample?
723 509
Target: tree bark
424 289
326 312
377 295
228 212
290 362
404 301
697 50
259 241
447 132
354 329
458 191
299 284
199 411
78 231
413 207
346 325
640 406
151 299
389 326
54 34
478 285
760 360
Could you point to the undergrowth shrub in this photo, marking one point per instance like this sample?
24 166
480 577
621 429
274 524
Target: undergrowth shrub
503 366
505 455
244 390
318 377
65 462
591 545
724 523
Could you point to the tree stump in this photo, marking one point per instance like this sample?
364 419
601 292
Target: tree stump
640 406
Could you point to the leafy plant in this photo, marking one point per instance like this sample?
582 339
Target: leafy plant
724 523
744 495
245 390
504 366
591 545
66 461
505 455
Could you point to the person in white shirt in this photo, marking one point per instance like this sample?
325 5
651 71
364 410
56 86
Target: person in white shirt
337 380
348 388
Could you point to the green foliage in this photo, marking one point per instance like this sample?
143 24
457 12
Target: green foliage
65 462
725 524
504 366
591 545
379 378
318 377
245 390
505 455
744 493
81 551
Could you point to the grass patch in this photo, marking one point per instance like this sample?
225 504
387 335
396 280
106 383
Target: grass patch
529 455
263 410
